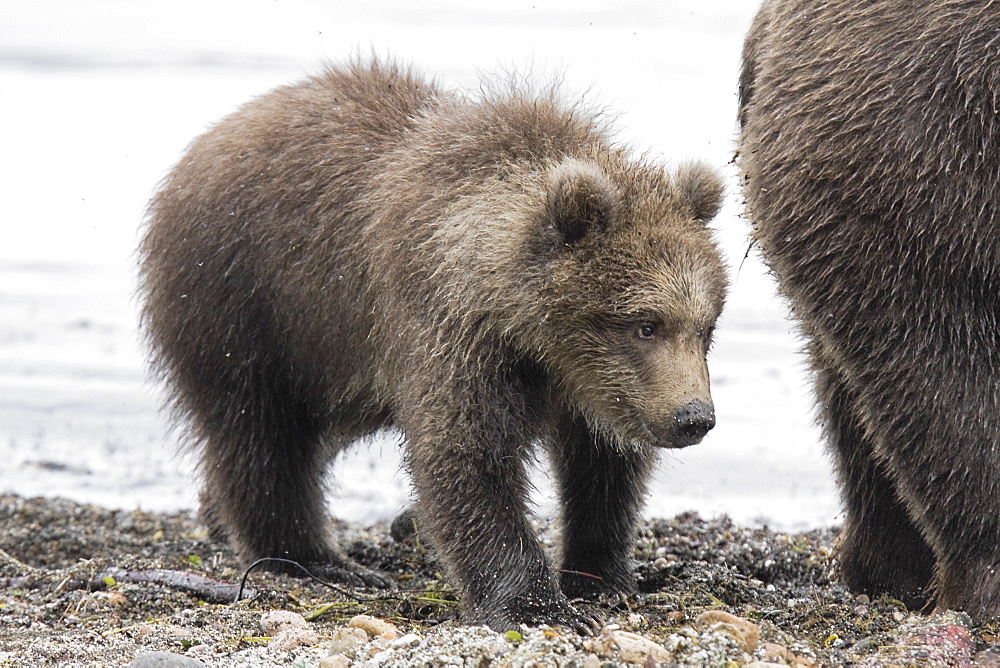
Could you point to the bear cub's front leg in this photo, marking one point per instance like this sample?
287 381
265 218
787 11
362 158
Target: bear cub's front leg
601 489
472 506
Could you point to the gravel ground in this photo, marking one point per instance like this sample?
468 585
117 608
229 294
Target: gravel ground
86 586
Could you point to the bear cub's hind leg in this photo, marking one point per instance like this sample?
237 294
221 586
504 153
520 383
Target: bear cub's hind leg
264 487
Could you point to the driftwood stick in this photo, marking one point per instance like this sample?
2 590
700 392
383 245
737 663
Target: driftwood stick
205 588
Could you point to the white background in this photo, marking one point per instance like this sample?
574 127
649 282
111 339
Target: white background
98 99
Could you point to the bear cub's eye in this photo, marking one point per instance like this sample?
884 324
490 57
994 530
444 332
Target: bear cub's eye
646 330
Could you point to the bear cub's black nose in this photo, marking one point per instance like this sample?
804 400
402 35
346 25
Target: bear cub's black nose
695 419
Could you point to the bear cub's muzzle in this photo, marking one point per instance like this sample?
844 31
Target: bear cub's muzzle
692 421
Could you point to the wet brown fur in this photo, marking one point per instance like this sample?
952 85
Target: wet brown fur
363 250
871 159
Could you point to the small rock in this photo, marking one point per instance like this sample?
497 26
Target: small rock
346 639
273 622
868 644
377 646
765 664
776 652
676 616
112 597
293 637
404 526
988 657
374 627
178 631
335 661
942 644
636 621
743 631
409 640
629 648
164 660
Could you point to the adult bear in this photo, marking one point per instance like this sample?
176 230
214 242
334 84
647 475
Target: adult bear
870 153
363 250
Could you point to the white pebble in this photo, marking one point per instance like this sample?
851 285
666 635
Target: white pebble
346 639
273 622
293 637
743 631
629 647
409 640
335 661
637 621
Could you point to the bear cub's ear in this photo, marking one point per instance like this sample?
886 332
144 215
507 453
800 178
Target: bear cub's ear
701 188
581 201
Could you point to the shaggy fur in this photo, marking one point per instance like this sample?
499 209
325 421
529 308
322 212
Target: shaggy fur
363 250
871 160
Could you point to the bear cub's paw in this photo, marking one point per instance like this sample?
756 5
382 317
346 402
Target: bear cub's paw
531 610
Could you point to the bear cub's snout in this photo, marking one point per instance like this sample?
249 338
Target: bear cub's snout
694 420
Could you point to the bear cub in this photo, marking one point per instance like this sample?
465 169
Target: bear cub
365 249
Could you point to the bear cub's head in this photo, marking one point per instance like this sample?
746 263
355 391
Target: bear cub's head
633 287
